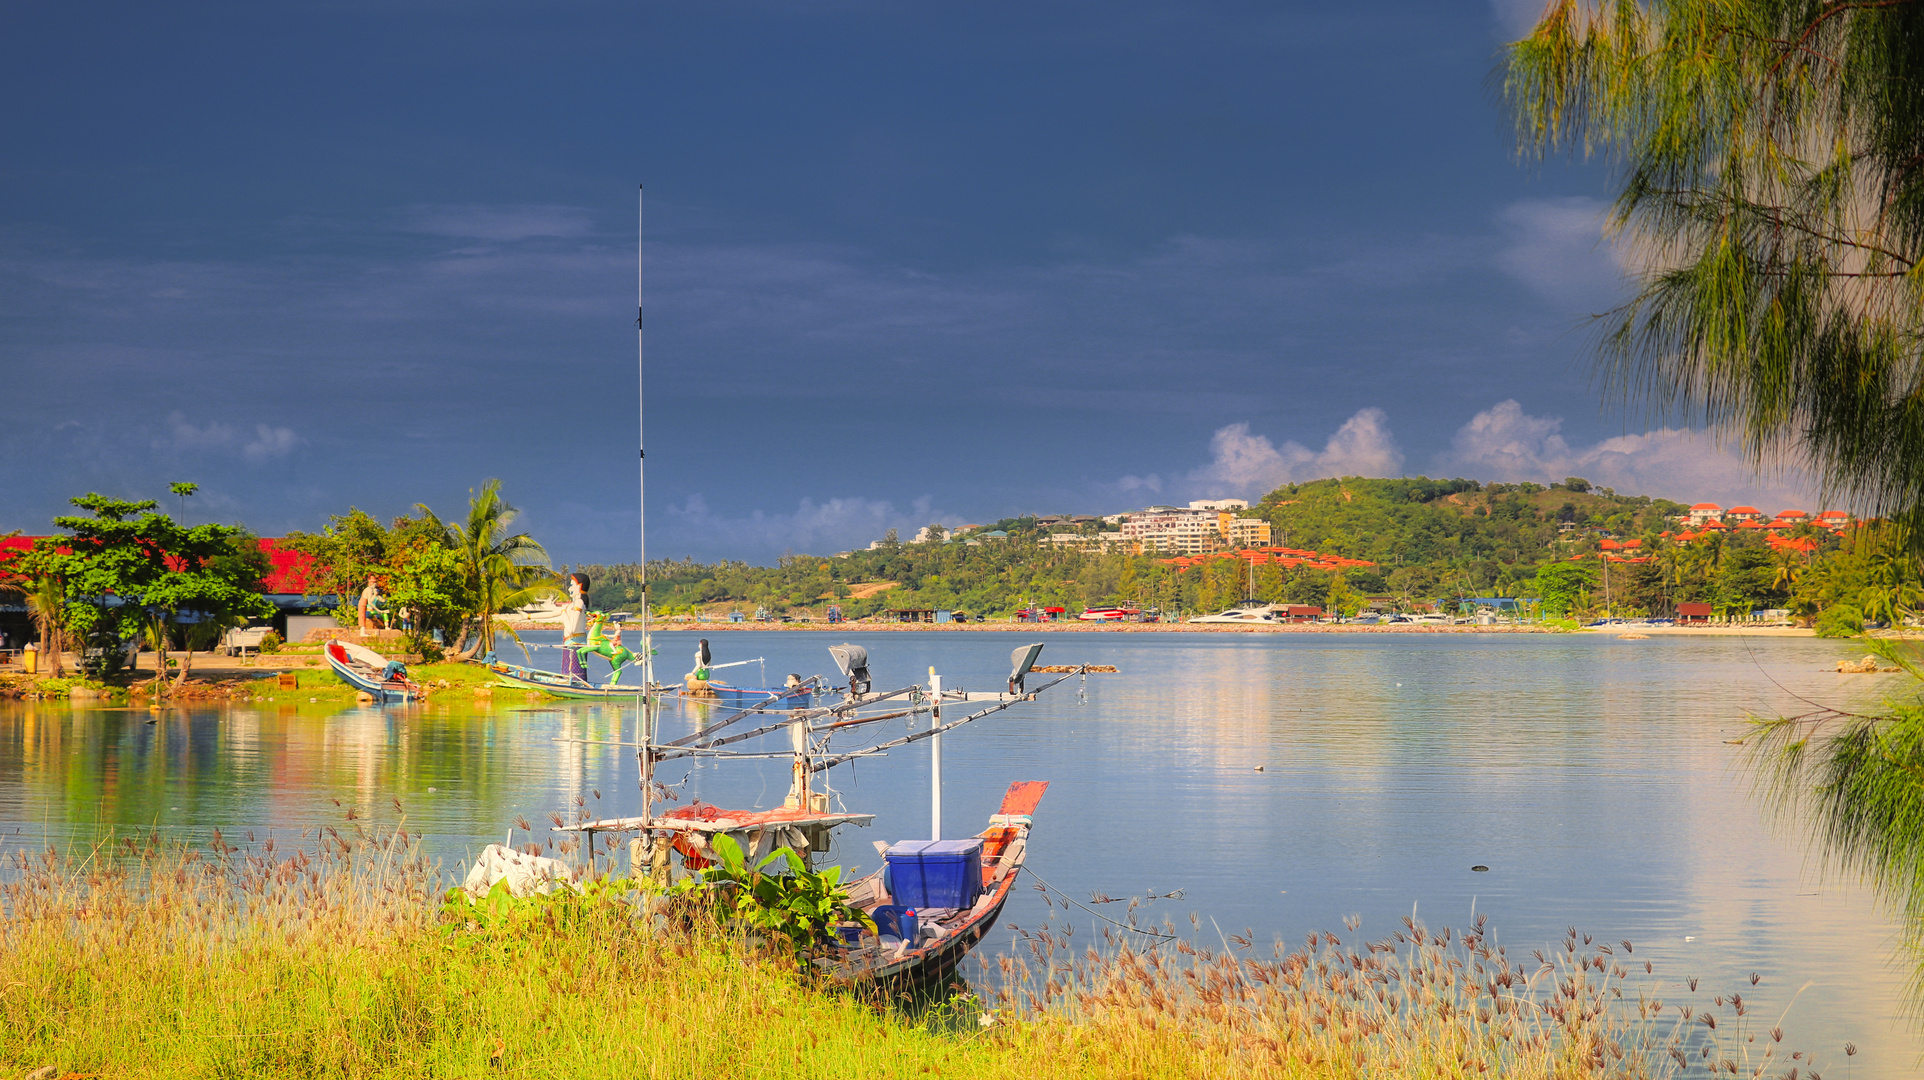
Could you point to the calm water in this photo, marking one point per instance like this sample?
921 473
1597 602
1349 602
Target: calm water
1589 774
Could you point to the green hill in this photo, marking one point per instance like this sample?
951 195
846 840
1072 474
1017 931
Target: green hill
1428 539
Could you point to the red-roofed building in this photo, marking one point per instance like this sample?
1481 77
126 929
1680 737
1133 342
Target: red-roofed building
1833 519
1703 513
1794 517
1743 513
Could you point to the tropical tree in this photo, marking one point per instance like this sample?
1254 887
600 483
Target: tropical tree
1768 186
126 569
43 595
502 570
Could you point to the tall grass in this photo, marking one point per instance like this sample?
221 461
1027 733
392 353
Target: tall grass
136 959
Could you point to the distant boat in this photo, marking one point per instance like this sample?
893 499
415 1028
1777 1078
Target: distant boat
1238 617
758 697
370 672
1109 614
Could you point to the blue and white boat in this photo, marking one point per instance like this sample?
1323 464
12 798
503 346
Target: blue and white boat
370 672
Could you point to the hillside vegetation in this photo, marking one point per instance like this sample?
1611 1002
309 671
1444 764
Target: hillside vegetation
1429 540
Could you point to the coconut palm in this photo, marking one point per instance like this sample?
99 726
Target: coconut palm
502 570
46 598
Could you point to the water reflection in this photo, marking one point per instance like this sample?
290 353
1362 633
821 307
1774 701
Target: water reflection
1590 775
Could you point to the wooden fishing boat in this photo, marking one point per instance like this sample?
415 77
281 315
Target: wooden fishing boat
923 930
754 697
559 685
927 958
370 672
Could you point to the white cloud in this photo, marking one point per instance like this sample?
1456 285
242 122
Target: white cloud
268 441
1504 443
817 527
1246 466
182 435
1556 248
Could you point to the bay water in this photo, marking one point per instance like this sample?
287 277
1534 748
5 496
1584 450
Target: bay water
1271 783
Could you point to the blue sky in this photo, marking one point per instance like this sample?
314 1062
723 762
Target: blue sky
906 262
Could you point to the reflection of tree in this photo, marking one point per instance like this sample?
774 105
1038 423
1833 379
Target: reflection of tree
242 768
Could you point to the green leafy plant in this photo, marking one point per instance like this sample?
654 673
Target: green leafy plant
498 915
793 911
1840 621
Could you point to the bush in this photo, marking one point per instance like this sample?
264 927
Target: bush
271 642
1840 621
416 641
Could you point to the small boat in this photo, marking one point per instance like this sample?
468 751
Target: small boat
370 672
559 685
1238 617
933 900
929 943
1109 614
757 697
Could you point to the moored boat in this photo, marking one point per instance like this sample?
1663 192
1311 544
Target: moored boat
370 672
932 901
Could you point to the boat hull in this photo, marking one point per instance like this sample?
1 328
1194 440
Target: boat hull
755 697
355 671
558 685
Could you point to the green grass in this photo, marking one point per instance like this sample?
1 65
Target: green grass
133 960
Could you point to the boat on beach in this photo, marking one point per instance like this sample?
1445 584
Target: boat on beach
370 672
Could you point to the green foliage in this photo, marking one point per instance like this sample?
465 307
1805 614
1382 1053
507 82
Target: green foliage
795 911
1840 621
126 570
1857 782
437 576
1766 156
1565 587
499 916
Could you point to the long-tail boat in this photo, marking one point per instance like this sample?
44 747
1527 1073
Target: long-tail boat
920 940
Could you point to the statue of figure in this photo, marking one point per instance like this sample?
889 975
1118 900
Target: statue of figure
574 626
607 645
370 607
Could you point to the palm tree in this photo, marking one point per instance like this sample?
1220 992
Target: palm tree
46 597
502 570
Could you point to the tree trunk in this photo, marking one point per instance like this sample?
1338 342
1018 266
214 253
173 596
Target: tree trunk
463 651
186 666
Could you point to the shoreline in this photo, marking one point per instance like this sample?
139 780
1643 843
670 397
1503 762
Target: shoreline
1071 627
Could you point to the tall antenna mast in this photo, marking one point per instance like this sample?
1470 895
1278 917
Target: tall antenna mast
647 732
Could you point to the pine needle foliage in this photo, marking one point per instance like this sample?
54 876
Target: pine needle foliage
1856 783
1769 159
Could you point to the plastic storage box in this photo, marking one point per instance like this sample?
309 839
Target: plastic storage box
935 873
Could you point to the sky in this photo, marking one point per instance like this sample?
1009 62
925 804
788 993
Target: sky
903 263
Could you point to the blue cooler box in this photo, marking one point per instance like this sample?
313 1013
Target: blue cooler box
935 873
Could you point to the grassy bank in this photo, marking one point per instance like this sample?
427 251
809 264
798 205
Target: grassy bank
133 961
